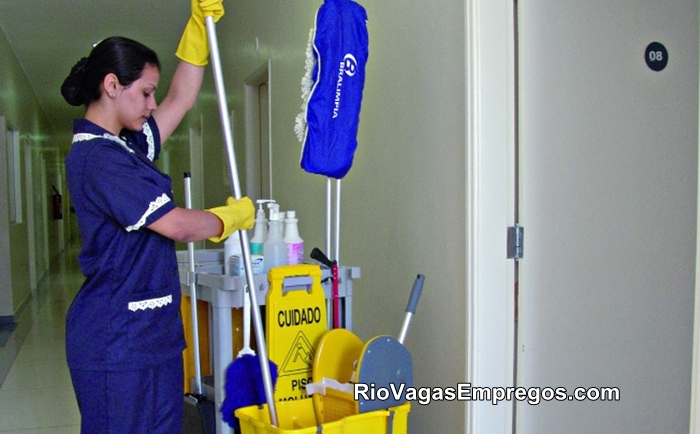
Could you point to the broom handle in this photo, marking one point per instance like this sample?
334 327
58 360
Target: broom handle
193 296
246 320
245 246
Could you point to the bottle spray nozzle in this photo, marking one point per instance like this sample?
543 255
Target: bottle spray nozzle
274 211
260 203
260 214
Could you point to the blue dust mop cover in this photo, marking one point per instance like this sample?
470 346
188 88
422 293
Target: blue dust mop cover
328 125
244 387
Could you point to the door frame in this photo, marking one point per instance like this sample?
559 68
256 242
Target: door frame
695 376
7 313
31 219
258 132
491 128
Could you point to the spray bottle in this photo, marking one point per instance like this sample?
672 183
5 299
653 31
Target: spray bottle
232 255
292 240
258 239
282 217
274 249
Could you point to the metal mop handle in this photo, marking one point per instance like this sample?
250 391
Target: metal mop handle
411 308
245 247
193 295
336 235
333 236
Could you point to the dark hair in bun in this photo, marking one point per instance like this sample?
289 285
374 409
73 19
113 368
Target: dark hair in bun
121 56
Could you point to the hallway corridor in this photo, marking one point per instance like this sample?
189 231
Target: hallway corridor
36 395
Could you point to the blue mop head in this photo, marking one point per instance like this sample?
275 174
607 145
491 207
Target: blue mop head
332 88
244 386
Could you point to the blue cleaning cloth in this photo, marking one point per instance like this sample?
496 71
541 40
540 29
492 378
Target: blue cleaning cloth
244 387
341 48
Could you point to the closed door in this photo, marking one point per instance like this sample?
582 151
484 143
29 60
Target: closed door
608 160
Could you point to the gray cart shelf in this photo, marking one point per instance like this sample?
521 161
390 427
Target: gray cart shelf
225 292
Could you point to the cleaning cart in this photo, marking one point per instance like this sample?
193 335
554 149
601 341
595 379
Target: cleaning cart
344 142
223 293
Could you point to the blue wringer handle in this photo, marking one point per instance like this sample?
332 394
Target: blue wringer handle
411 308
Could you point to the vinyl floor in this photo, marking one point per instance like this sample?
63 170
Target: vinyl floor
36 395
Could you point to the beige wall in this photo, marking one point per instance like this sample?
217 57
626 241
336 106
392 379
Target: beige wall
403 202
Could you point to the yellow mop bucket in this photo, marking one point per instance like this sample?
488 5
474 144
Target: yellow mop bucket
383 361
297 417
295 320
335 412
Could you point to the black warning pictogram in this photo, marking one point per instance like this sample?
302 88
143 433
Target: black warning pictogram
299 358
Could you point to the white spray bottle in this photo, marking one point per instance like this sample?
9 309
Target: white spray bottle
274 248
259 236
292 240
232 255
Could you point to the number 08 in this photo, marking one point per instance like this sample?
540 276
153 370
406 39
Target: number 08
656 56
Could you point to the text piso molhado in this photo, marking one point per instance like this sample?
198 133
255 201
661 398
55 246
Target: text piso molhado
465 392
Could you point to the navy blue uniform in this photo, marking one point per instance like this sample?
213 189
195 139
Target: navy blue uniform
124 334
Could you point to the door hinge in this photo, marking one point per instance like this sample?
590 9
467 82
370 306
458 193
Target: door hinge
515 242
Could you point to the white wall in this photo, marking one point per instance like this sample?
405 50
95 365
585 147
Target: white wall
21 111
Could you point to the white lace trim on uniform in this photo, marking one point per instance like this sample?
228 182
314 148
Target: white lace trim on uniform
152 207
83 137
151 141
152 303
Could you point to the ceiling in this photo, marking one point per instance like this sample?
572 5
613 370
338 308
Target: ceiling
49 36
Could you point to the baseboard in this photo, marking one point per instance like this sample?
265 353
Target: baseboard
24 304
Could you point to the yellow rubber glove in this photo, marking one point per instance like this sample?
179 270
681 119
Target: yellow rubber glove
194 47
235 215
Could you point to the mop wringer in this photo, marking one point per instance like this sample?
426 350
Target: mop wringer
345 370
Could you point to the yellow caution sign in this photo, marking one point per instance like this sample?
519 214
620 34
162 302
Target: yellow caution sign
295 322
